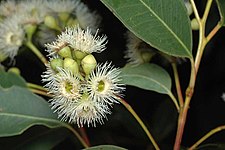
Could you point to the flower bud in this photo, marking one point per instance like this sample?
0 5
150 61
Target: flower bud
2 57
194 24
14 70
55 63
71 65
147 56
88 63
63 16
72 22
51 22
65 52
30 29
79 54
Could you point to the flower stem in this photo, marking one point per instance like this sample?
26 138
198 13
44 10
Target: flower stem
34 49
36 91
130 109
84 136
35 86
76 134
194 69
183 112
213 32
177 83
213 131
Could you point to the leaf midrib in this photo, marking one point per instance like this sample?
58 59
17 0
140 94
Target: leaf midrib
176 37
29 117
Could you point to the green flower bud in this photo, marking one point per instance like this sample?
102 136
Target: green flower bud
71 65
72 22
2 57
30 29
194 24
14 70
51 22
88 63
56 63
64 16
65 52
79 54
147 56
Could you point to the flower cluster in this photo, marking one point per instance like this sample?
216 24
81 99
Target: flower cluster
83 90
19 20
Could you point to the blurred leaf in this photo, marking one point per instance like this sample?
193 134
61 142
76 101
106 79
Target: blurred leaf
212 147
221 6
21 109
45 140
147 76
8 79
105 147
164 24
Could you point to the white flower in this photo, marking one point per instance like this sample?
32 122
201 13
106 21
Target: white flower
84 41
11 36
136 49
86 18
104 85
34 10
8 8
70 101
87 111
49 77
78 39
65 85
58 6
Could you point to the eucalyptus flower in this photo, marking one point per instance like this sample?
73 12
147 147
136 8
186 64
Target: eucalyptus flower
8 8
11 36
104 85
78 39
84 41
138 51
33 9
86 17
87 111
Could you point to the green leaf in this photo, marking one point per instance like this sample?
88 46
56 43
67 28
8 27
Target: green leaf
164 24
221 6
21 109
105 147
8 79
147 76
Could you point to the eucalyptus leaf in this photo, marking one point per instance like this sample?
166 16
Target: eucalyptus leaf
21 109
147 76
8 79
164 24
105 147
221 6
